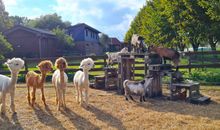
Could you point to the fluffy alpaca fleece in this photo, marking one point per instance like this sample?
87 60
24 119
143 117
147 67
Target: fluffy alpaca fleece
115 56
81 80
137 87
7 85
59 80
37 81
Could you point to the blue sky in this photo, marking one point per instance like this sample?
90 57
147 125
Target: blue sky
112 17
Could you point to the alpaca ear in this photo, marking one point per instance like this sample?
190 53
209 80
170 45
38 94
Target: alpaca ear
7 62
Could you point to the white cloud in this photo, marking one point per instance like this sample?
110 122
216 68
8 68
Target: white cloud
121 27
10 2
73 10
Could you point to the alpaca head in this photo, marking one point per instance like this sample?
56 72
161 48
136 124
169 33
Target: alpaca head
87 64
45 66
15 64
61 64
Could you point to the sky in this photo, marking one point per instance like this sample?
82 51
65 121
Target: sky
111 17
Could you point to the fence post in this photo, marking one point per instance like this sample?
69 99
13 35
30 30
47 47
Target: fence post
189 64
25 65
104 58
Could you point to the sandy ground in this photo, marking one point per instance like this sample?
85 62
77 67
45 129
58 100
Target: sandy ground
107 110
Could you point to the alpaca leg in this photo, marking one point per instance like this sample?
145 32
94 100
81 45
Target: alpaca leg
3 103
43 97
81 95
87 97
59 99
12 94
33 96
64 100
28 96
56 96
77 92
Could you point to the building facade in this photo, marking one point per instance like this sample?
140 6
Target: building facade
86 39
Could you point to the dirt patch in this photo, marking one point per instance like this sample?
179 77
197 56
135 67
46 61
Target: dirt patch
108 110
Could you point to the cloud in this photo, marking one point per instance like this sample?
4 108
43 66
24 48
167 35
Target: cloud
10 2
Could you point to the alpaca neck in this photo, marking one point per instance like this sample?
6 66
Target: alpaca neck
61 76
14 78
43 77
86 74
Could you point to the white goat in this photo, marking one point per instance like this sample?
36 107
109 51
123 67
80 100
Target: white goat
115 56
81 80
137 87
59 80
7 85
138 43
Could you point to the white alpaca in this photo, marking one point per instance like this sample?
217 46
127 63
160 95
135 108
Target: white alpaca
81 80
7 85
59 80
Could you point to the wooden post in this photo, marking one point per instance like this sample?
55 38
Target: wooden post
189 62
25 65
126 71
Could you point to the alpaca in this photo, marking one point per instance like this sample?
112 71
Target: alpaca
59 80
37 81
81 80
7 85
115 56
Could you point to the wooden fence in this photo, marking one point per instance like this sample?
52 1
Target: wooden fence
209 59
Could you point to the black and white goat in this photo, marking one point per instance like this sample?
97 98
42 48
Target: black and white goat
137 87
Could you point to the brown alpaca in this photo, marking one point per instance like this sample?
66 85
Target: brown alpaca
37 81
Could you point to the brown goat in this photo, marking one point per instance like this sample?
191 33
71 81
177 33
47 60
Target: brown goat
167 53
37 81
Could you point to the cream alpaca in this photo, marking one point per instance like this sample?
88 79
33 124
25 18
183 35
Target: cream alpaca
59 80
7 85
81 80
37 81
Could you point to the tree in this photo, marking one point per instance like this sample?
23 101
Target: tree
5 46
49 22
17 20
5 23
63 38
104 40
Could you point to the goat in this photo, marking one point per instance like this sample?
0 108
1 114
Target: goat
137 87
115 56
137 43
168 53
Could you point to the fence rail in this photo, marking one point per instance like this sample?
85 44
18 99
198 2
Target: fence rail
193 59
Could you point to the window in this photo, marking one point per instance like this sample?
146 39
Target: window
86 32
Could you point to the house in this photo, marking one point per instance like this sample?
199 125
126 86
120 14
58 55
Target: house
114 45
86 39
31 42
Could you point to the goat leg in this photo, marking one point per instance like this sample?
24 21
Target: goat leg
131 98
144 98
141 98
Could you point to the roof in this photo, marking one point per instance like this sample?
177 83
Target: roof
85 26
115 41
30 29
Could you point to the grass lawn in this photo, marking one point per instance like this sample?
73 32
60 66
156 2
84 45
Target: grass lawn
107 110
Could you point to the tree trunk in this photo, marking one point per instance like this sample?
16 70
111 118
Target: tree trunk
195 46
212 43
